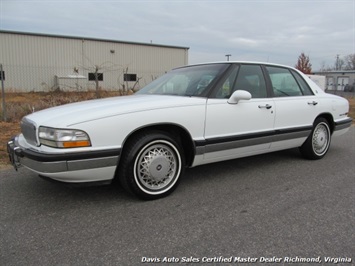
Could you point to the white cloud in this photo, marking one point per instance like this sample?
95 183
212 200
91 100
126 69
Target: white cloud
245 42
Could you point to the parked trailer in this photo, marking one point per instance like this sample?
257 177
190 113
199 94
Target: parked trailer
319 80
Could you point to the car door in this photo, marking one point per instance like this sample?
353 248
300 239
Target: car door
234 130
296 107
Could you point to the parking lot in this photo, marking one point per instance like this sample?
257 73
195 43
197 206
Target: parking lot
258 209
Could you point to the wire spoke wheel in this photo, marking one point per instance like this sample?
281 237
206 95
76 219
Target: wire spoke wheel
152 164
156 167
318 142
320 139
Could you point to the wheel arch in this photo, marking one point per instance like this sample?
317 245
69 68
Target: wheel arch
178 132
329 119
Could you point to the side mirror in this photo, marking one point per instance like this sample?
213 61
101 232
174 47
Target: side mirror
239 95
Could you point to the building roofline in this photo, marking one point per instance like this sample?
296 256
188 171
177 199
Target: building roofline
90 39
334 72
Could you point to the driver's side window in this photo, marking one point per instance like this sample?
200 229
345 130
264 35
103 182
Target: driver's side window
226 89
250 78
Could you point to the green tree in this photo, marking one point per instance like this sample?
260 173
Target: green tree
303 64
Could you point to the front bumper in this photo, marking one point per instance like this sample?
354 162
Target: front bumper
75 167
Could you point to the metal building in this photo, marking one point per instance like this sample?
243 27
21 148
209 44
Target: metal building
41 62
339 80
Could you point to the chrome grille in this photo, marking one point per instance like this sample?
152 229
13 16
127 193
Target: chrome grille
28 129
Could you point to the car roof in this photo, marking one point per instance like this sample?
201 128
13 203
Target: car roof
241 62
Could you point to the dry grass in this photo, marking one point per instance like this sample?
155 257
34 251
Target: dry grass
21 104
7 130
352 108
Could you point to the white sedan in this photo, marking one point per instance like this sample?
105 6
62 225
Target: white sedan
190 116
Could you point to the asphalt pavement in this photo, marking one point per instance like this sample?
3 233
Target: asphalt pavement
273 209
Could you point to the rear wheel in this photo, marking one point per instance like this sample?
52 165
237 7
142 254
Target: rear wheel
317 144
151 165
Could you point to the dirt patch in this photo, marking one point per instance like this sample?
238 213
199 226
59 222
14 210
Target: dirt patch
7 131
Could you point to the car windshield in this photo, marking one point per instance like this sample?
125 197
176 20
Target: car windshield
186 81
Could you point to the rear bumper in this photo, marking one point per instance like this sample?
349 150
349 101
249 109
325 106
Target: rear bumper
76 167
341 127
343 124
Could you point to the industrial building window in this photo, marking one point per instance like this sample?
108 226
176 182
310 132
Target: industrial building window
2 75
100 76
130 77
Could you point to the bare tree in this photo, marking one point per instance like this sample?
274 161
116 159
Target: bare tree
125 85
99 70
345 63
325 68
339 63
349 62
96 73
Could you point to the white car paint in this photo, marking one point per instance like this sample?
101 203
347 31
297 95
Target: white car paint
219 129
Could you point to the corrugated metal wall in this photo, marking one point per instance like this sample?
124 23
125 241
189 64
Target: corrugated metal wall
32 62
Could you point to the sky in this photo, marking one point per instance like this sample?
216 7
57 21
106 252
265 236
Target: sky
276 31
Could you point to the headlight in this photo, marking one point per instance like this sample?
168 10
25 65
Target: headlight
63 138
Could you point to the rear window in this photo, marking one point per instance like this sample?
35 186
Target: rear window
286 83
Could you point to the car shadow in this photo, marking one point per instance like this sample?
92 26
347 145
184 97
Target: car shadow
58 191
242 165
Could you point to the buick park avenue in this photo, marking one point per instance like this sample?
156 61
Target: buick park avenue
192 115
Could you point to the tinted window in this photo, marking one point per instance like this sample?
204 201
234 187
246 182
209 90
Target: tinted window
303 84
250 78
187 81
225 90
285 84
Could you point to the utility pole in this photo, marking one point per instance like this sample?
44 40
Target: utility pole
228 55
3 94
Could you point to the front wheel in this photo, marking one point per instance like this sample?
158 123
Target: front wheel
317 144
151 165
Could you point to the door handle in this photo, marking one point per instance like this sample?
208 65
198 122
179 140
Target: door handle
267 106
313 103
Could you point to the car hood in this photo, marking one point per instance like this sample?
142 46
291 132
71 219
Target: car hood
75 113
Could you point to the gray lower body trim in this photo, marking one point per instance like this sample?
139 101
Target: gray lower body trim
92 163
62 162
251 140
64 166
237 144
